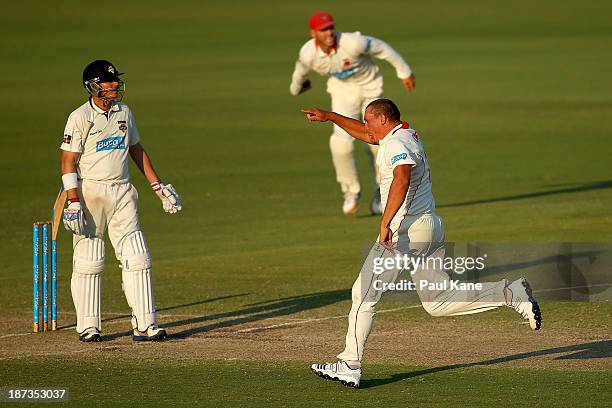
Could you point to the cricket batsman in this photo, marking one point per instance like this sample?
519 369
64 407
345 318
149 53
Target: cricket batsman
409 225
354 81
98 137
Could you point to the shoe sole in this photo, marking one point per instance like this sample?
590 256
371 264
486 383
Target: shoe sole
350 384
535 308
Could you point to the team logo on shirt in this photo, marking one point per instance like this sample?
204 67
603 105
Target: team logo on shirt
122 125
67 139
398 157
112 143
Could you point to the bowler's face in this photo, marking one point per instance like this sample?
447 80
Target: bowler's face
373 125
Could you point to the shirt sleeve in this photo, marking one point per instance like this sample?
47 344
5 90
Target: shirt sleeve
381 50
133 134
300 72
398 154
73 134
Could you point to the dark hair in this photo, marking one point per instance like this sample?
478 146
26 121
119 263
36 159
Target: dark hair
384 107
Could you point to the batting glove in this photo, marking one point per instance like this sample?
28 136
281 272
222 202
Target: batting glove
74 217
171 202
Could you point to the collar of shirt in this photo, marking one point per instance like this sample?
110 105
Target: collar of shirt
114 107
402 125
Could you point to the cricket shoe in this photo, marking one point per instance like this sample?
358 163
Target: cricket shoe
153 333
90 335
351 204
339 371
376 204
520 298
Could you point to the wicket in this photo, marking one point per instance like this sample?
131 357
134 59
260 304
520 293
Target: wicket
37 243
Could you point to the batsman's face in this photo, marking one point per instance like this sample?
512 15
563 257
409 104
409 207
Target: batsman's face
375 125
110 90
327 37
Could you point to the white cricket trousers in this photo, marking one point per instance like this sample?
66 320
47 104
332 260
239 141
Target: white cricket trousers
350 101
416 236
112 206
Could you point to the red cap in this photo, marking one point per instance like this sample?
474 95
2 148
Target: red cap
321 20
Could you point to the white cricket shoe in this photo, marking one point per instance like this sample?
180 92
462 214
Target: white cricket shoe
339 371
520 298
90 335
376 204
153 333
351 204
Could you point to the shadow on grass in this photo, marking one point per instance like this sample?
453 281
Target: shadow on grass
597 185
163 309
251 313
597 349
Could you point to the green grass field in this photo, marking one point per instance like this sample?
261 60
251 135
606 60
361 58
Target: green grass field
512 101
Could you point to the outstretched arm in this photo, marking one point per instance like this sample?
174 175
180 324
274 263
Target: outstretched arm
353 127
381 50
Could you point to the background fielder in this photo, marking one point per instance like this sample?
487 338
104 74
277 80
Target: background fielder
97 139
409 226
354 81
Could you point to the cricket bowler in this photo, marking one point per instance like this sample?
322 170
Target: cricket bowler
409 225
354 81
94 161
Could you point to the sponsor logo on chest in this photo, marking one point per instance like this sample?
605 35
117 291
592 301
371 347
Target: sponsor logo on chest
111 143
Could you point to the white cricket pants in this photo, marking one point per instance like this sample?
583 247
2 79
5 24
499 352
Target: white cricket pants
109 205
416 236
351 101
112 206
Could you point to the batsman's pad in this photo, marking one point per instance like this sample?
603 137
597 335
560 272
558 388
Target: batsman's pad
86 283
136 277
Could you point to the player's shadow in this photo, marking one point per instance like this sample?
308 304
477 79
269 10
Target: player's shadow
560 189
597 349
163 309
251 313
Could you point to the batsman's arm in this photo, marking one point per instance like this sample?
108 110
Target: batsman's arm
69 173
143 162
353 127
397 195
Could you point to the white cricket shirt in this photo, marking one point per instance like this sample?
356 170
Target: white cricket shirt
104 148
402 146
350 61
